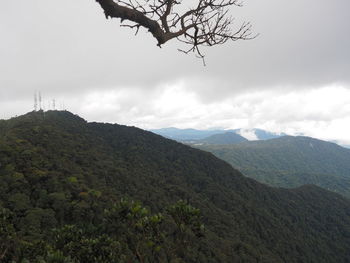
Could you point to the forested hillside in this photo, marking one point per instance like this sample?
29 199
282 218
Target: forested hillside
67 186
290 162
223 138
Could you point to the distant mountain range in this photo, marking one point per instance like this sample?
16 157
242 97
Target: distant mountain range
222 138
186 135
290 162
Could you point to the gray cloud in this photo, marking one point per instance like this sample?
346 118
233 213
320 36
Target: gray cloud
69 46
70 52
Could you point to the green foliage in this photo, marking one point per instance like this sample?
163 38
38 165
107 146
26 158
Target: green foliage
186 217
74 243
290 162
226 138
127 232
59 172
7 235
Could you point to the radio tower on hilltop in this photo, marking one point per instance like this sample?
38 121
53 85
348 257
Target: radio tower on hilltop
35 101
40 101
40 104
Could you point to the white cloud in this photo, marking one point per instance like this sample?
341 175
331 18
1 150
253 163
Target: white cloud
322 113
248 133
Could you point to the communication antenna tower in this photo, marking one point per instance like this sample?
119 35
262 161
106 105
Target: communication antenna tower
35 101
54 104
40 100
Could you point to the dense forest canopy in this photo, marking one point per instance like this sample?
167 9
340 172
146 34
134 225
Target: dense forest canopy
73 191
290 162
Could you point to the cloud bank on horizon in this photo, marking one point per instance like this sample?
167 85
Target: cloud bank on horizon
294 78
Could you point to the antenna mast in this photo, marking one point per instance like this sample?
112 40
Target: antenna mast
35 101
40 100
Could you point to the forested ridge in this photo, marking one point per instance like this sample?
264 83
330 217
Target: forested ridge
290 162
222 139
73 191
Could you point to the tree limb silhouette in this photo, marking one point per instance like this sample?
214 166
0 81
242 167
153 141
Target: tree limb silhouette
206 23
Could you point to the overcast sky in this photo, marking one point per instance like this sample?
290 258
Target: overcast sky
293 78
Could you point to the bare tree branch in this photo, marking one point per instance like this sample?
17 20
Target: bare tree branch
206 24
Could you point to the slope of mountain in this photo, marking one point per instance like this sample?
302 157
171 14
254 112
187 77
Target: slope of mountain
290 162
222 138
257 134
194 135
265 135
185 134
58 169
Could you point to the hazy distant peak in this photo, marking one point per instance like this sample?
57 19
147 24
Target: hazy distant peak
258 134
249 134
193 134
229 137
